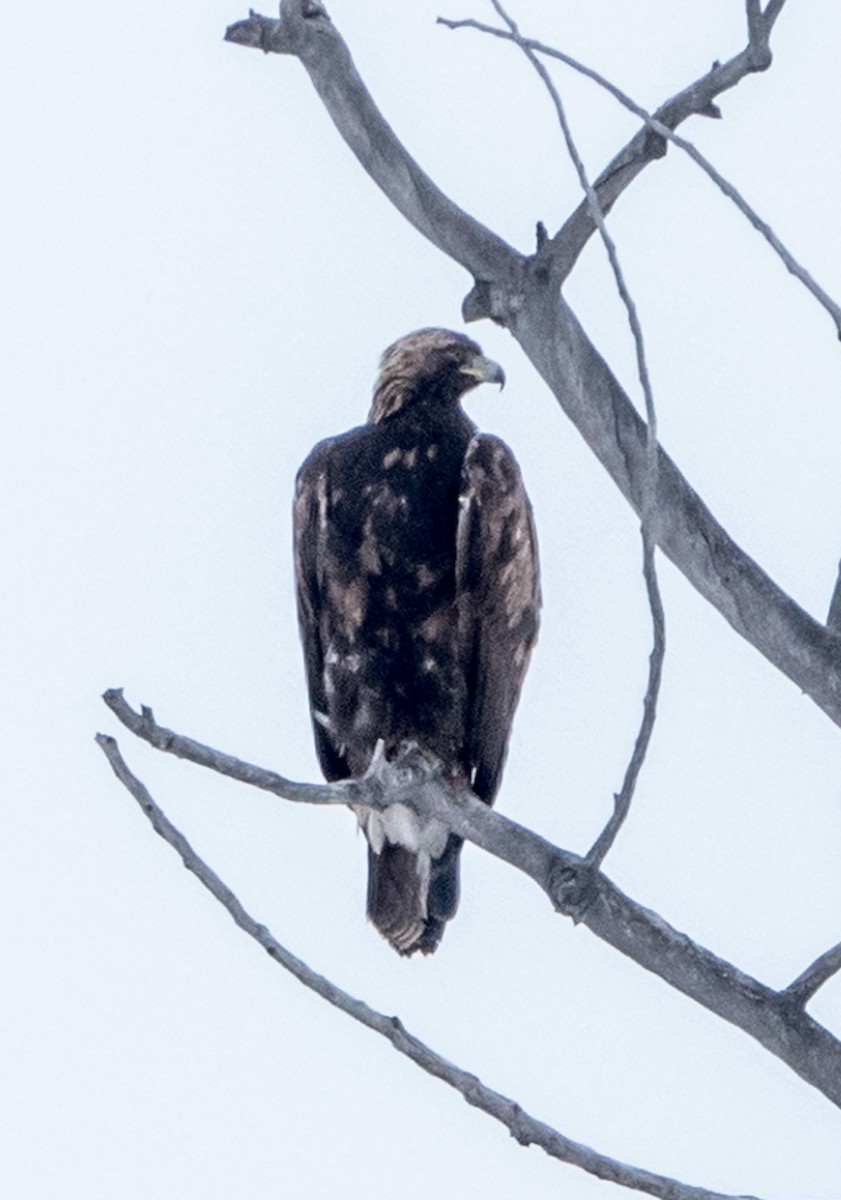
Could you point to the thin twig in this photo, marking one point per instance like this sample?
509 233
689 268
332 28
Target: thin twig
622 801
763 29
598 217
525 1128
815 976
833 620
144 725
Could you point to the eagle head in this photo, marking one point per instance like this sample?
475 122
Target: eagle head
429 366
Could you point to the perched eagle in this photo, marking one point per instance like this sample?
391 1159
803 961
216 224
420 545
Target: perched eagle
418 600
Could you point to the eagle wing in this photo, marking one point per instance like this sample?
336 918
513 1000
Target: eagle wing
310 526
498 597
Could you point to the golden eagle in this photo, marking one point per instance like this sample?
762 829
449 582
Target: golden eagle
418 600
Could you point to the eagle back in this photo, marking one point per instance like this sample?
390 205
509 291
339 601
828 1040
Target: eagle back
385 565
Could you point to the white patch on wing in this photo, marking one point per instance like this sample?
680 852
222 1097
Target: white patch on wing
321 493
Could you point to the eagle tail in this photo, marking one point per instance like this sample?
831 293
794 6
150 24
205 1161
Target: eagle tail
411 895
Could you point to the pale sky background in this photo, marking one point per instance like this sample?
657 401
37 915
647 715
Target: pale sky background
197 282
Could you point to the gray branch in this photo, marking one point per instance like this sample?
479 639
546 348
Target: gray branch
572 886
833 620
526 1129
524 295
305 30
622 801
814 977
695 100
574 235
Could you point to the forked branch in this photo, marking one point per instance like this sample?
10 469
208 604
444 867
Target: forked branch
786 1030
815 976
622 801
833 620
523 294
526 1129
568 243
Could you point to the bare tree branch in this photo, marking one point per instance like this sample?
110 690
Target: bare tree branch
815 976
144 725
833 620
622 801
696 99
568 253
760 25
526 1129
523 294
609 244
305 30
586 895
772 11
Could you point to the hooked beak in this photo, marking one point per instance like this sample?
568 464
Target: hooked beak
484 370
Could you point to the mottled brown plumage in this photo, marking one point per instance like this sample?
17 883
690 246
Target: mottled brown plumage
418 599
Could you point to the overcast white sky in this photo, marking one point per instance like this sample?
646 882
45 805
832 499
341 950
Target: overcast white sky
198 280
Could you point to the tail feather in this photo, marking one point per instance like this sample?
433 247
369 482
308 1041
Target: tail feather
410 900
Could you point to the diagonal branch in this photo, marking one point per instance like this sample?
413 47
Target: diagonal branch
526 1129
622 801
760 23
567 246
305 30
523 295
144 725
833 620
598 217
815 976
573 888
696 99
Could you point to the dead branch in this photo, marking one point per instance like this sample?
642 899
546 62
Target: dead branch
305 30
598 216
833 620
523 294
526 1129
567 248
698 99
622 801
815 976
574 889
